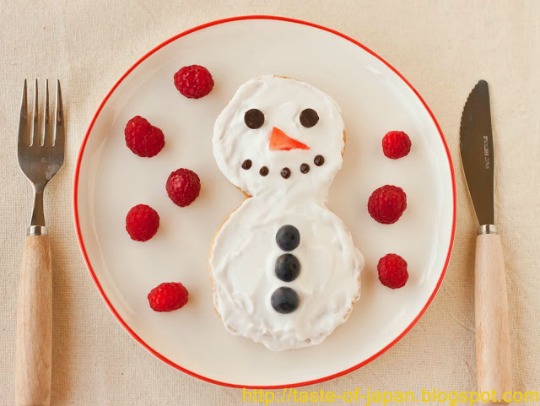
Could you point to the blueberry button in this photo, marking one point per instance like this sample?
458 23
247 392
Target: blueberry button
287 267
288 238
285 300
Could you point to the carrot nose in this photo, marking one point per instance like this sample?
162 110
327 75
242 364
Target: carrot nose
279 141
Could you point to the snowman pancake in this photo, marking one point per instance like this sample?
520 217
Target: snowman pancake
285 269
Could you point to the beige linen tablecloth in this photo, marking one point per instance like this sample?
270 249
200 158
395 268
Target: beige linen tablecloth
442 47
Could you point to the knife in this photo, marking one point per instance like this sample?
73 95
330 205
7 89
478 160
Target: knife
493 362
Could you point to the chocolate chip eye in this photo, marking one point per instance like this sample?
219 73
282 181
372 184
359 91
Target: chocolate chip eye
254 118
308 118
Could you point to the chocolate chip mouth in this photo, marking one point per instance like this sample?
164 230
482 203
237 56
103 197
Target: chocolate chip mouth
285 172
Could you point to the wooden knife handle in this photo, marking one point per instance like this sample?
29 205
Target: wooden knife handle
34 325
493 349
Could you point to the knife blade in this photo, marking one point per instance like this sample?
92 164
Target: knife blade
493 357
477 151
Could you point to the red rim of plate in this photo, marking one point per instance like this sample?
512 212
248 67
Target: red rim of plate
93 274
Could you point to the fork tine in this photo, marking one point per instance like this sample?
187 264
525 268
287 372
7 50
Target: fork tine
35 115
46 134
23 131
59 132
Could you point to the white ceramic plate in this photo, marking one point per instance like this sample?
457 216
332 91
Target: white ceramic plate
109 180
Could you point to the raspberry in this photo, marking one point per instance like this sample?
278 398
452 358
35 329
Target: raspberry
142 222
392 271
194 81
142 138
396 144
387 203
168 296
183 186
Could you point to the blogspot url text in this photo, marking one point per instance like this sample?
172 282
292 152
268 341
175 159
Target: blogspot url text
369 397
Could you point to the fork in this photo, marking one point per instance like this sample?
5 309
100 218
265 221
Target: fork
40 156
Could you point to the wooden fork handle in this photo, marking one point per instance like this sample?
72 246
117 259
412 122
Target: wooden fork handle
34 325
491 313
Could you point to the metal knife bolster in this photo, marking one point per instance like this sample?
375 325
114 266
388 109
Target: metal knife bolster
487 229
36 230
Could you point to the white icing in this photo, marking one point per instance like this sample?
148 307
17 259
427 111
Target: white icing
244 253
281 100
